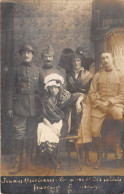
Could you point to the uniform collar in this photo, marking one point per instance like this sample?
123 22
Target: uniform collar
107 70
27 63
48 67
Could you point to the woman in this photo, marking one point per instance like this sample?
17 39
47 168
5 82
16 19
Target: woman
87 63
79 81
51 119
65 59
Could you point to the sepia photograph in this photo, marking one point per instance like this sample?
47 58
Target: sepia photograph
62 96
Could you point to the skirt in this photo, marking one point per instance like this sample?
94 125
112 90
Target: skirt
84 130
46 134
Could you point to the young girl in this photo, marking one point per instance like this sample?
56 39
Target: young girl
51 119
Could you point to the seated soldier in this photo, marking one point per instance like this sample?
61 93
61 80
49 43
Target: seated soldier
106 95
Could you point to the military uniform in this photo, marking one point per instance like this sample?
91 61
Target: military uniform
50 69
53 70
23 93
23 100
107 86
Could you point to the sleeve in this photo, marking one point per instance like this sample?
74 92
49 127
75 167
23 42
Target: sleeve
93 92
41 83
11 90
66 99
119 99
87 81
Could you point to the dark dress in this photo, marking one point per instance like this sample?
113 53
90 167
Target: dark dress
81 123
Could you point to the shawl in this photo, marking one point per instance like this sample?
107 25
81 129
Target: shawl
81 83
51 107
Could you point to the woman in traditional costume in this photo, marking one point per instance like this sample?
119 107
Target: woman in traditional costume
79 81
51 119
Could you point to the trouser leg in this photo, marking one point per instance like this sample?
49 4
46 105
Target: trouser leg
118 128
98 147
122 141
19 124
97 142
37 154
18 156
31 137
86 150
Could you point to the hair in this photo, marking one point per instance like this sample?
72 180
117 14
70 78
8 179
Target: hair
48 89
80 49
88 62
106 51
67 50
75 55
65 59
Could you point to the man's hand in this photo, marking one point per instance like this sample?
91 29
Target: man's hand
10 114
106 103
103 106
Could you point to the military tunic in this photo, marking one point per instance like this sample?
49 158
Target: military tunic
106 86
23 98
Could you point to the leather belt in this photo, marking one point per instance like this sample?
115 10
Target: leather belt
24 91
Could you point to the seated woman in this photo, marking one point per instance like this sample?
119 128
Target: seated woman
78 81
51 119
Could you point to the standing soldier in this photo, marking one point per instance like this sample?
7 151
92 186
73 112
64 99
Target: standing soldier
50 71
49 66
106 95
22 105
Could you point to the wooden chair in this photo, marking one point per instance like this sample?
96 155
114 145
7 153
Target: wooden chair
71 140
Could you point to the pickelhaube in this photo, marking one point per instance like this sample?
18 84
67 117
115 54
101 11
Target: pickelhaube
26 47
48 51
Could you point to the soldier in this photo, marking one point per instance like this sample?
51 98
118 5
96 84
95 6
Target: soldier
106 95
49 67
22 105
51 71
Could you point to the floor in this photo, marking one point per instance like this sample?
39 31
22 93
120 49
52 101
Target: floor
108 168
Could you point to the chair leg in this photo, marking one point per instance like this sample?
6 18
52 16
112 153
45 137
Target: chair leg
78 156
69 150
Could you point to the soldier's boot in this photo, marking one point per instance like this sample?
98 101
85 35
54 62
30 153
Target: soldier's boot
87 159
29 152
81 152
19 150
37 160
118 155
98 147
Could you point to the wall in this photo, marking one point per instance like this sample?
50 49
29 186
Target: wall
61 23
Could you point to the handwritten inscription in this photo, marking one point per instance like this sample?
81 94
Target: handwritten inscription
57 184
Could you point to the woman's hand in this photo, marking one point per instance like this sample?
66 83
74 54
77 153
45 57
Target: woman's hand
78 108
10 114
78 103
